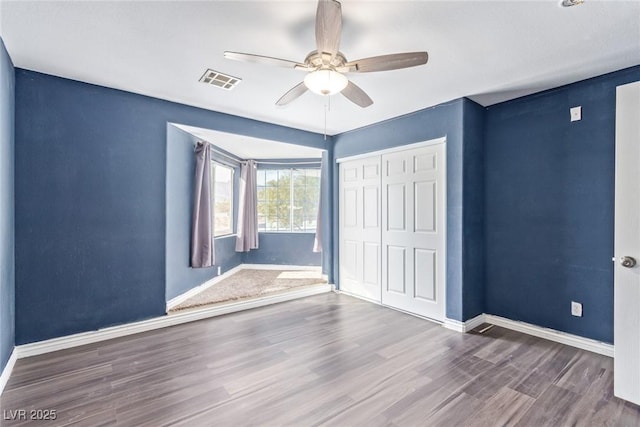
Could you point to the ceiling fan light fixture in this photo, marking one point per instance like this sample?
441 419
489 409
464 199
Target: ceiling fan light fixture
326 64
325 82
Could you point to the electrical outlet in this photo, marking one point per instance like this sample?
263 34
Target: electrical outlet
576 113
576 309
219 270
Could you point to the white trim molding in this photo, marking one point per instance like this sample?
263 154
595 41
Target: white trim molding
61 343
552 335
280 267
583 343
395 149
466 326
8 368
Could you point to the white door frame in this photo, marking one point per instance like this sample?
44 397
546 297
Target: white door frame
393 149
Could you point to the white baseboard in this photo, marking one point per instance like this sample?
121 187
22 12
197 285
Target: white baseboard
280 267
61 343
552 335
8 368
537 331
466 326
206 285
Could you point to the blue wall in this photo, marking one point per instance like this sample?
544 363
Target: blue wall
529 201
549 206
7 202
90 167
473 292
284 249
461 122
180 171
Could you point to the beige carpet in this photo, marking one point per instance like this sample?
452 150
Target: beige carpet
249 283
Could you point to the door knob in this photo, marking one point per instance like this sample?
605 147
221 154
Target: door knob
627 261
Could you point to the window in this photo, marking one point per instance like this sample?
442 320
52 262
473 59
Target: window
288 199
222 189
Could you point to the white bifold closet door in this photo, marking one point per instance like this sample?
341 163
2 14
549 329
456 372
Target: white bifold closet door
359 191
392 229
413 230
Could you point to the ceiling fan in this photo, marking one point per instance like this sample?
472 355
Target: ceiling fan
327 65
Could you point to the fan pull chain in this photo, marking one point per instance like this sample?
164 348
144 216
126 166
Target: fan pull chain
325 121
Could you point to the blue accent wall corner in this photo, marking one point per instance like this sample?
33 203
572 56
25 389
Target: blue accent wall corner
549 206
473 293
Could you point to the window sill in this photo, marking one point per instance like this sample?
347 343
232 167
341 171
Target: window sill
286 232
224 236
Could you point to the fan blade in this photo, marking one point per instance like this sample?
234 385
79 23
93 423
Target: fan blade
248 57
328 26
356 95
394 61
292 94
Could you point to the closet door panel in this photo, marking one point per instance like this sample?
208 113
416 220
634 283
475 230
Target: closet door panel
413 230
359 230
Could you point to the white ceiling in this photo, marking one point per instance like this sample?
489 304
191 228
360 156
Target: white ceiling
490 51
247 147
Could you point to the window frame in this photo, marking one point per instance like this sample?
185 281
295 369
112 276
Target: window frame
290 169
215 164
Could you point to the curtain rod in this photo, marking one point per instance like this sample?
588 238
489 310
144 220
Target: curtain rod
222 153
260 162
289 163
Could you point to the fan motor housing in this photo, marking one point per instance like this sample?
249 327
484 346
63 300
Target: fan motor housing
323 60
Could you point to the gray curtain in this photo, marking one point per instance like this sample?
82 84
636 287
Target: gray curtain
247 237
317 242
202 249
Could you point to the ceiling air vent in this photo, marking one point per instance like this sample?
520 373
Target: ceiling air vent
216 78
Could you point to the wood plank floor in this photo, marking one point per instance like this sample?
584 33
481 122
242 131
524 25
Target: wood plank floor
323 360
